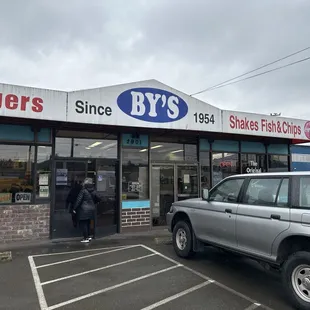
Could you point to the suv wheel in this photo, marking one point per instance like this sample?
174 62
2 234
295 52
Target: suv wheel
182 239
296 279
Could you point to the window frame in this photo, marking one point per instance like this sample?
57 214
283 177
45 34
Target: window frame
226 180
281 177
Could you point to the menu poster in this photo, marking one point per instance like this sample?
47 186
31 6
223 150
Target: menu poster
44 192
43 179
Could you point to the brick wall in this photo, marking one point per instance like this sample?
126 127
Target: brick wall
24 222
136 217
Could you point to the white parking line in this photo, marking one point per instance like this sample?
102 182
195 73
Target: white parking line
178 295
79 251
208 279
97 269
37 283
86 256
62 304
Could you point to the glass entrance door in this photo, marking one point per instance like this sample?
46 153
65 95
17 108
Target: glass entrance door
71 172
170 183
187 178
107 189
68 174
162 192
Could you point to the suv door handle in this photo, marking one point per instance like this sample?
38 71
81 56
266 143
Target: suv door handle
228 210
275 216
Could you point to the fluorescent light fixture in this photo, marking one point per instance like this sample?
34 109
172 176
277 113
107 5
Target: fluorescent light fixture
95 144
144 150
156 147
177 151
87 148
108 146
43 147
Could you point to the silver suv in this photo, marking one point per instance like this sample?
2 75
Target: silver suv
264 216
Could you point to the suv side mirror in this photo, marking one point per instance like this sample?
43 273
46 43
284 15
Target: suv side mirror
205 194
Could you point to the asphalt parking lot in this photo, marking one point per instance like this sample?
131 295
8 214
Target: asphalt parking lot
127 277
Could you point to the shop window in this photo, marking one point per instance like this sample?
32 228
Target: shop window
204 145
94 148
63 147
225 146
16 173
253 163
277 163
205 170
252 147
173 152
43 172
280 149
224 165
135 176
16 133
44 135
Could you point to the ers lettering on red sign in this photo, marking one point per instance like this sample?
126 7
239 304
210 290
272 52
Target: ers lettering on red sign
264 125
21 103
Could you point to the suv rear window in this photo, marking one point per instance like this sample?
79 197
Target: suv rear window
304 192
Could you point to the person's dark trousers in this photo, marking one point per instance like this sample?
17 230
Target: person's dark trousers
74 220
85 227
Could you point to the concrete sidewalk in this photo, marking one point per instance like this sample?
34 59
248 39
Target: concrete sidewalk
157 236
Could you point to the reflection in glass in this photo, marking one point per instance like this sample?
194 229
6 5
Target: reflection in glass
278 163
106 189
68 176
173 152
63 147
253 163
224 165
95 148
187 182
16 173
43 177
135 182
205 170
162 194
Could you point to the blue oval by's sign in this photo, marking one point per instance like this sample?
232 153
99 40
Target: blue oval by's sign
152 105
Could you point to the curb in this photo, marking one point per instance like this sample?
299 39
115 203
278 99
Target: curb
45 246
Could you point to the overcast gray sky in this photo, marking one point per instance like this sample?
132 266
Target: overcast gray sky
186 44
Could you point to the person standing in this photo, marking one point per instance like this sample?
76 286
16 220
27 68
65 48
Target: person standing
71 199
85 207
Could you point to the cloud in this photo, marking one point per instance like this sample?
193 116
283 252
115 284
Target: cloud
189 45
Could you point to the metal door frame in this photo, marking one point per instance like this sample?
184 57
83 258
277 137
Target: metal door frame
175 165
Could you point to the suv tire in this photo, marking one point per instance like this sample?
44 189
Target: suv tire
292 274
183 240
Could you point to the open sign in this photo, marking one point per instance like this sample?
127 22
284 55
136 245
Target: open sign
23 197
225 164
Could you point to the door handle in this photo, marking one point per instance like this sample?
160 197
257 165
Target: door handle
228 210
275 216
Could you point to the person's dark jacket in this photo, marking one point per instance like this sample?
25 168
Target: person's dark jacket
86 201
72 196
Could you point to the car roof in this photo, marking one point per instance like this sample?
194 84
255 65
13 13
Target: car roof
269 174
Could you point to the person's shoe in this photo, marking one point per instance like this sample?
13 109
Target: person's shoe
89 238
85 241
